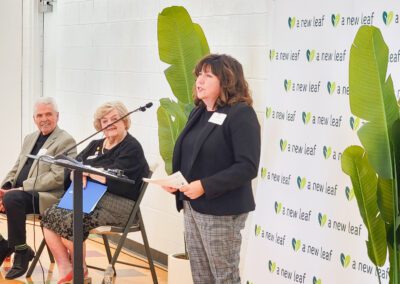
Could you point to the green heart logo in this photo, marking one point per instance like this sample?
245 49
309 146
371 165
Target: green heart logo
278 207
296 244
310 54
316 281
257 230
271 266
345 260
354 122
287 84
327 152
349 193
301 182
331 86
291 22
387 17
335 19
283 144
322 219
263 172
305 116
268 111
272 54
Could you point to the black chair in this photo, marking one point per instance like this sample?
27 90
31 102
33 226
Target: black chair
134 224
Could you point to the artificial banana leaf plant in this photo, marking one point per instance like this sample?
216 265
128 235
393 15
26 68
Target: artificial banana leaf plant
373 168
181 43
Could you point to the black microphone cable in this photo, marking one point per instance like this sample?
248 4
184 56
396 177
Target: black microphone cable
34 213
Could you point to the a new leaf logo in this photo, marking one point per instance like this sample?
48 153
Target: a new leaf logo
271 266
278 207
335 19
305 116
387 17
263 172
287 84
268 111
345 260
310 55
349 193
257 230
301 182
316 281
354 122
327 152
291 22
322 219
331 86
283 144
272 54
296 244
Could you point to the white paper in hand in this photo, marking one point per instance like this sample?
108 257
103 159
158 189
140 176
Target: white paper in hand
176 180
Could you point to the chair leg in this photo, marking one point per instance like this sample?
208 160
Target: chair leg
147 248
116 253
107 247
36 258
108 251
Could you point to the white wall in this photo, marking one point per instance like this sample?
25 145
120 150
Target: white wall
32 62
10 82
100 50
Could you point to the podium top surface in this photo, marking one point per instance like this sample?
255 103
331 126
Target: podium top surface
73 164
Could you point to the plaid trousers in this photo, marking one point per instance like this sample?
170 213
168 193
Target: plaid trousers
213 244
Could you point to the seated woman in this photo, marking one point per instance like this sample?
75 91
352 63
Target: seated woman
118 150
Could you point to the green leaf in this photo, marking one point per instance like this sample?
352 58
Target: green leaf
202 38
372 97
385 199
181 43
396 157
363 177
171 120
395 232
393 271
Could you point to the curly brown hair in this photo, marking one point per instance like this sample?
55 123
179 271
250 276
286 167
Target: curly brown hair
230 74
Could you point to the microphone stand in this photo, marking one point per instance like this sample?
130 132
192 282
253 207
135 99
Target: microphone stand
64 154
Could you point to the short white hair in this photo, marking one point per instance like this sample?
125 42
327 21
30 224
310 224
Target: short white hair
45 101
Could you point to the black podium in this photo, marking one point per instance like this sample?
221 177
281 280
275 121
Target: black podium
78 168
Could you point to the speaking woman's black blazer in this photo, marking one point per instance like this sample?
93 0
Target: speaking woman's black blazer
225 159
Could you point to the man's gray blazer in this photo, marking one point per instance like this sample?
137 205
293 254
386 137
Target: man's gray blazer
50 178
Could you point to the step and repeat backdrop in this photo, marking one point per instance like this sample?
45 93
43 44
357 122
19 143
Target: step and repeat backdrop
307 227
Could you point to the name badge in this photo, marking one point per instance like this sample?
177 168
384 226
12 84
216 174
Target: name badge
42 151
92 157
217 118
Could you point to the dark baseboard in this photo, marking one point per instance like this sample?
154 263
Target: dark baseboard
160 258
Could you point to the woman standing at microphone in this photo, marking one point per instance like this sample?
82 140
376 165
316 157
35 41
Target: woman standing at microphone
118 150
218 153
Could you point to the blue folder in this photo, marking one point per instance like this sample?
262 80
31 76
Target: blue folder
91 195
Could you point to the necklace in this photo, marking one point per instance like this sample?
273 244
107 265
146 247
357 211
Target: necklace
108 146
104 146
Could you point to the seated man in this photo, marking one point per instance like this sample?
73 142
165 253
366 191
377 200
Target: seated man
31 188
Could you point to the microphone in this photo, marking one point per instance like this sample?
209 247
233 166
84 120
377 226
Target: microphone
143 108
64 154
